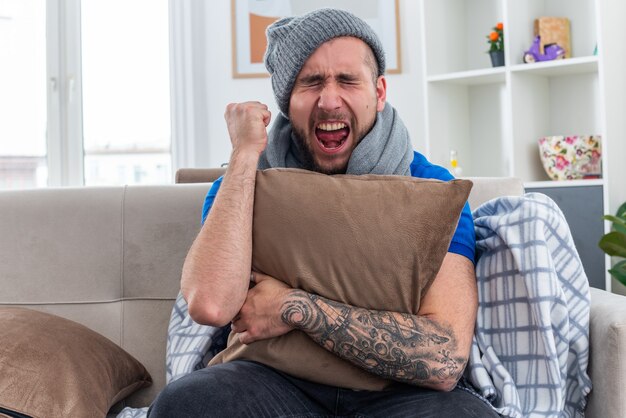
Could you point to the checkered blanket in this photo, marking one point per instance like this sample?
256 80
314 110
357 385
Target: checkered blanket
530 351
531 347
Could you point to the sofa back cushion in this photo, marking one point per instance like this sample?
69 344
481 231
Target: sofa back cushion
109 258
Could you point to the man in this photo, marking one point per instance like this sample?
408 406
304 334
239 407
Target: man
327 71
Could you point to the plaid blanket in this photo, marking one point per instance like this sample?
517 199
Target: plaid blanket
531 347
530 351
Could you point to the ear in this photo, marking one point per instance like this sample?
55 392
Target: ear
381 93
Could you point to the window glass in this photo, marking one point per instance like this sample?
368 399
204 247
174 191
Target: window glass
23 94
126 97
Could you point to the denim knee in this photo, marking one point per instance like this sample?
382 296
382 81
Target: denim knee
196 395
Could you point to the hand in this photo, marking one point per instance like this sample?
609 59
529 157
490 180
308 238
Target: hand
260 315
247 123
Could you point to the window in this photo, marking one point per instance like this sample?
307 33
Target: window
23 162
126 104
85 93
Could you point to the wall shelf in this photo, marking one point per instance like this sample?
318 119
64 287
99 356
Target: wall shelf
473 77
494 117
563 183
582 65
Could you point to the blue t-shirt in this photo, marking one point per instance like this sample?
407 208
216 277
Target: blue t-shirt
463 241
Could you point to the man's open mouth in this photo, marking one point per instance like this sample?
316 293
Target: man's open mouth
332 136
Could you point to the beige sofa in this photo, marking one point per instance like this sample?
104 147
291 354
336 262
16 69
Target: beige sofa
111 257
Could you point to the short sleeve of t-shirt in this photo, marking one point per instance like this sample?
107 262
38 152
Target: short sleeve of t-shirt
463 241
210 198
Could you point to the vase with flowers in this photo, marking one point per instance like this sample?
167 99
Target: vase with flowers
495 39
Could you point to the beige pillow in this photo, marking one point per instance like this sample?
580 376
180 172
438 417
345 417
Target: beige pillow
371 241
53 367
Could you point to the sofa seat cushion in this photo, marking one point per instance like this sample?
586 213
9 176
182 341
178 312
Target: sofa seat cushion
54 367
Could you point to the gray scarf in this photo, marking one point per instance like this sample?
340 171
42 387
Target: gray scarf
386 149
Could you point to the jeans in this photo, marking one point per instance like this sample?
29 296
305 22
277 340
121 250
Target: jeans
248 389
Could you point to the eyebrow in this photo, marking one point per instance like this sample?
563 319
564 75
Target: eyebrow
315 78
347 77
312 78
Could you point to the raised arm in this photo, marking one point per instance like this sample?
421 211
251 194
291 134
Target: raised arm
429 349
216 272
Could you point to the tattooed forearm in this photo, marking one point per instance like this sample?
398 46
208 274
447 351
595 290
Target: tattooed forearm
397 346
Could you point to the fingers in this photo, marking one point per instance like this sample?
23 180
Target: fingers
245 338
267 117
257 277
239 109
237 325
251 103
247 112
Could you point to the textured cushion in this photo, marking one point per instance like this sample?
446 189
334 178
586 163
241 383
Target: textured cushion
54 367
371 241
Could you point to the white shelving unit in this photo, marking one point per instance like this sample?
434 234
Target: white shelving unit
493 117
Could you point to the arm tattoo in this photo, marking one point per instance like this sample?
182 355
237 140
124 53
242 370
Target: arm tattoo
392 345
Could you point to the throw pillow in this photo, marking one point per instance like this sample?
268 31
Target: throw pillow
371 241
54 367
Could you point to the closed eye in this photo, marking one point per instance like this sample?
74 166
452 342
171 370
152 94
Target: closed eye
316 80
348 79
311 80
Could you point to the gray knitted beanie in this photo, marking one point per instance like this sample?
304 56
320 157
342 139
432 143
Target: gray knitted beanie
292 40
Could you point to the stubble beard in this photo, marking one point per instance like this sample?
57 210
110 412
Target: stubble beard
307 156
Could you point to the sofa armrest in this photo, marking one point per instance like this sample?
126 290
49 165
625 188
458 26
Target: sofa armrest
607 365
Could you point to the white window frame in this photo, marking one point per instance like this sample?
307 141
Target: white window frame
65 130
188 60
181 64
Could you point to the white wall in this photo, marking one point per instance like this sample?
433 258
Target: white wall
404 90
614 59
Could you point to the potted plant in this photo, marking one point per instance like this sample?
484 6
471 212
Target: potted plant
495 39
614 243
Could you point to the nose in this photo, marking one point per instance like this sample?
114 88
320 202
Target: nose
330 97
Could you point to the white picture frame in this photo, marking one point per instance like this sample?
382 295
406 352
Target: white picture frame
249 18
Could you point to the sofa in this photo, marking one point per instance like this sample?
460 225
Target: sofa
110 258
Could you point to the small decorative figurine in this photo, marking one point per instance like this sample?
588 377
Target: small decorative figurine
551 52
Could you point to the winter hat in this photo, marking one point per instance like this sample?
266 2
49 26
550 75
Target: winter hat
292 40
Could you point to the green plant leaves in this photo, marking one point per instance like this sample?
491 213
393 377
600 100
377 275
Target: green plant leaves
619 224
614 244
621 214
619 272
621 211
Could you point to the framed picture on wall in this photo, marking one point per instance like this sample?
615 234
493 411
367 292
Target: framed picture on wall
250 18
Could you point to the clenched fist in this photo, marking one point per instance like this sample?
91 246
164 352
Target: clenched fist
247 125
